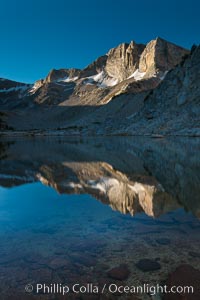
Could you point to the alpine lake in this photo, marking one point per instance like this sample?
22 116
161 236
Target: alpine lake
94 214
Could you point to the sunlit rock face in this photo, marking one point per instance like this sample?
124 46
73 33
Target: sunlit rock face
160 56
108 76
143 61
60 74
173 107
95 67
134 89
124 60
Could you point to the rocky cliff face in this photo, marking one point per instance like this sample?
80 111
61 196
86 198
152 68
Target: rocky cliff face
174 106
118 83
127 61
12 93
123 60
160 56
95 67
140 61
60 74
171 108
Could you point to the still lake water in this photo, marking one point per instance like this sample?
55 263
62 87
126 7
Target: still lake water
71 211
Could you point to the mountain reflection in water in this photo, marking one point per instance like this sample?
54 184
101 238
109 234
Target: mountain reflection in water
62 233
131 175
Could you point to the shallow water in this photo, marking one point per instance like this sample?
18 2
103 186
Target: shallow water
72 210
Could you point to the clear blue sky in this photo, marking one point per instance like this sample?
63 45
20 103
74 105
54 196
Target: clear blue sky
38 35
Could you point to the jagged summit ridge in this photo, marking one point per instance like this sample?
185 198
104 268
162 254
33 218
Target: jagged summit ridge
113 87
120 63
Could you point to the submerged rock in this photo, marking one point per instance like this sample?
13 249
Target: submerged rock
121 272
184 275
148 265
194 254
86 260
163 241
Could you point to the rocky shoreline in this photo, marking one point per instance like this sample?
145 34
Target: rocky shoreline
63 133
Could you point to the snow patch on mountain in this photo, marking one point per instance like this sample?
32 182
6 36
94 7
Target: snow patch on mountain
67 79
74 185
101 79
35 87
163 76
24 178
104 184
20 88
137 75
